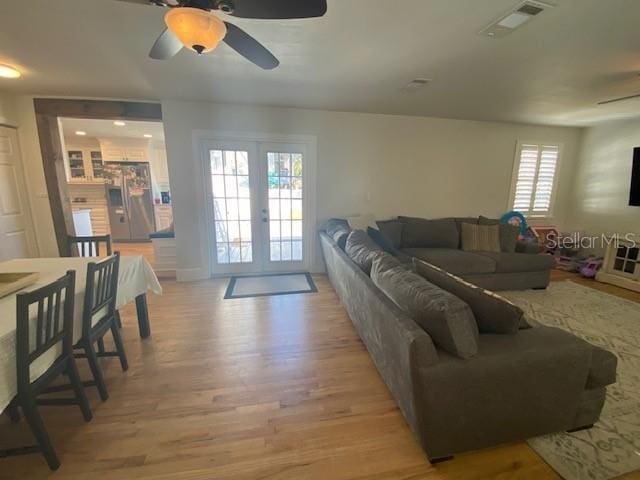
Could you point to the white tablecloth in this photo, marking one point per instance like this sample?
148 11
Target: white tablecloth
135 277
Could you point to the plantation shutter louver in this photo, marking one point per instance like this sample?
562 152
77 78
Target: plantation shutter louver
537 166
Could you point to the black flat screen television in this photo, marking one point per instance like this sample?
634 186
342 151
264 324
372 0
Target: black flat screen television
634 194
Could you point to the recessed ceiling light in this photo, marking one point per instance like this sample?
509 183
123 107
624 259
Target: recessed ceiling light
147 135
119 123
9 72
81 133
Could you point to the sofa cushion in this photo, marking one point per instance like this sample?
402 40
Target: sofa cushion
382 240
423 233
386 261
361 249
602 371
480 237
519 262
393 231
455 261
338 229
447 319
493 313
508 233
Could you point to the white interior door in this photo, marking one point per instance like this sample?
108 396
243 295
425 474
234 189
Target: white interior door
258 207
17 238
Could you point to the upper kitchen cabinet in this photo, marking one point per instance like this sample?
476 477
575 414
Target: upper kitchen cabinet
124 150
83 161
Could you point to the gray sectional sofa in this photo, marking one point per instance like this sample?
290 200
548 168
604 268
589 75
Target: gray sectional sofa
530 382
438 242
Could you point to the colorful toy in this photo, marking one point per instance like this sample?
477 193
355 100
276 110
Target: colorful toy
592 267
516 218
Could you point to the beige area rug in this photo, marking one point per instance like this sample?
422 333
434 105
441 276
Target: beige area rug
612 447
270 284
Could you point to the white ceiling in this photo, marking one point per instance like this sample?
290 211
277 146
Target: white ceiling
356 58
106 129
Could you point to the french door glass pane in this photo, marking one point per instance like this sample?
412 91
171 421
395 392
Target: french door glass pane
231 206
284 184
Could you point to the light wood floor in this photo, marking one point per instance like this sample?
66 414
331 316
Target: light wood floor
262 388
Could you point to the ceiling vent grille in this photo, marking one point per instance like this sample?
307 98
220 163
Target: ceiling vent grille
514 18
416 84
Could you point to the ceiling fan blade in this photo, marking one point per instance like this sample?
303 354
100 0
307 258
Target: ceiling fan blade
166 46
614 100
249 47
279 9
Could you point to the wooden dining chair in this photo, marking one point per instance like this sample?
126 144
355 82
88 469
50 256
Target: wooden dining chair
49 333
90 246
99 317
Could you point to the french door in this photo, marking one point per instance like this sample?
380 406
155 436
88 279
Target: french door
258 207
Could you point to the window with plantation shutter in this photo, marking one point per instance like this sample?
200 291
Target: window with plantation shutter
534 178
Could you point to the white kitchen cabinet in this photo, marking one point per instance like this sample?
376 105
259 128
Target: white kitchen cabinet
83 162
124 150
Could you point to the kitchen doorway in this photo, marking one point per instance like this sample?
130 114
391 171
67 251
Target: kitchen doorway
117 178
261 204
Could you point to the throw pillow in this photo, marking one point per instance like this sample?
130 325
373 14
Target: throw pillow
484 238
493 313
423 233
339 230
447 319
393 231
361 249
381 239
508 233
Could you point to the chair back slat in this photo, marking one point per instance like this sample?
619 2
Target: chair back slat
53 323
101 290
90 246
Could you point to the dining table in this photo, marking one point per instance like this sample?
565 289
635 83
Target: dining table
135 279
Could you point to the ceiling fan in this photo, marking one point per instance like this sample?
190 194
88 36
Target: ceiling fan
620 99
193 24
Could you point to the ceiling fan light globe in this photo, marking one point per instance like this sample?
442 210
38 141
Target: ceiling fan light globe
199 30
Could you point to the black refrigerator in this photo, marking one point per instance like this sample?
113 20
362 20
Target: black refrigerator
129 201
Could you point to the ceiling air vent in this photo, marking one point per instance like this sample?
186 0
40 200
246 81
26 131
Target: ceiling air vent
516 17
416 84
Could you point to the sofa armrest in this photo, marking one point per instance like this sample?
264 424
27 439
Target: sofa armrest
518 386
393 340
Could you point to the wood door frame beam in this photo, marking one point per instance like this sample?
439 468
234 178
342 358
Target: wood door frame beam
47 111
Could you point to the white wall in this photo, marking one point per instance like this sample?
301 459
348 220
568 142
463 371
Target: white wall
600 194
8 115
381 164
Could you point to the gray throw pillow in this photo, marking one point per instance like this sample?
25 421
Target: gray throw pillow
508 233
392 229
361 249
339 230
423 233
447 319
493 313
